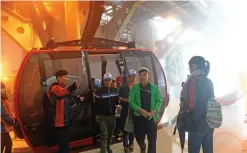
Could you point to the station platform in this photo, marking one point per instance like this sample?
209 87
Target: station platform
231 137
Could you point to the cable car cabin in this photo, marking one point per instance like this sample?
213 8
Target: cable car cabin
36 74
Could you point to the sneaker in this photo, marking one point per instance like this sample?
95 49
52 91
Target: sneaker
126 150
143 151
118 139
131 147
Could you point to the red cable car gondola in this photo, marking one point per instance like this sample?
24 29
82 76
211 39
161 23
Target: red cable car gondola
37 73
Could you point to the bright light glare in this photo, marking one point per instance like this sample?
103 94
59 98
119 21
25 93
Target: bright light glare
5 78
165 26
190 35
227 53
203 3
235 31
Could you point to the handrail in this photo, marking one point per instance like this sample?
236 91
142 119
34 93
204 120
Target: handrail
95 43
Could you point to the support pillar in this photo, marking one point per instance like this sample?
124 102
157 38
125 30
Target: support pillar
72 20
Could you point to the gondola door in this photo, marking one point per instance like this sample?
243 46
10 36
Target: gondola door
35 76
137 59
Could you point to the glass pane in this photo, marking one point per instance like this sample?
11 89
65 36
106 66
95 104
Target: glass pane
30 93
137 59
69 61
30 104
96 60
160 77
74 63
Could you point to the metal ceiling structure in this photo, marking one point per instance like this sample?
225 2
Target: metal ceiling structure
190 12
117 17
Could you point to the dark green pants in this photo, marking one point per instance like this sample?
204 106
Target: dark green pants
107 126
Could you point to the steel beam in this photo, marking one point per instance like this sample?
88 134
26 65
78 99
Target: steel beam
93 21
72 19
128 18
20 29
111 29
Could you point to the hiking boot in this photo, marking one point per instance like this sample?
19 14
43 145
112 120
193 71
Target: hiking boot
126 150
131 147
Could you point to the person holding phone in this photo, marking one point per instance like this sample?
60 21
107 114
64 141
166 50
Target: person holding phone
59 96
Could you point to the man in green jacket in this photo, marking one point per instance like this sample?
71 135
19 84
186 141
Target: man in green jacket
145 100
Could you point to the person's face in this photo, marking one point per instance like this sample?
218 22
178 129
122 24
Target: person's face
192 68
131 79
143 77
63 79
107 83
114 85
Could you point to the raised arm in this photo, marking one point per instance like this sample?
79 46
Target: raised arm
61 92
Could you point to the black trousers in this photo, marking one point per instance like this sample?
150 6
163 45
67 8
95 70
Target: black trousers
117 130
6 143
145 127
62 135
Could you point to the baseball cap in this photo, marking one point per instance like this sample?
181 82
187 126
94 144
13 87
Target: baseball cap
108 76
143 69
132 72
97 83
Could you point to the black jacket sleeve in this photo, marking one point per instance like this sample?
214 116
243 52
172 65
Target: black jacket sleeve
97 101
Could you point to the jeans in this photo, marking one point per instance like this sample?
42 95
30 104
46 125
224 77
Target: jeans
107 126
128 138
196 140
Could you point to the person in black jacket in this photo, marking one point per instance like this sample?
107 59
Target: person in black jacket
7 121
128 137
195 94
106 101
